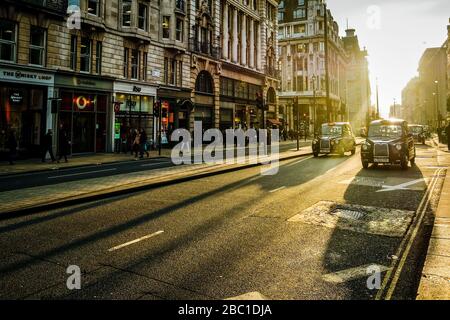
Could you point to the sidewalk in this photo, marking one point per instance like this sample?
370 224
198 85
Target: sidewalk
50 196
435 281
35 165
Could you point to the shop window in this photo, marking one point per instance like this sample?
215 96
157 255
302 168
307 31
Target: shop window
299 13
126 13
98 56
143 12
179 30
166 27
135 64
8 41
37 46
94 7
73 52
85 55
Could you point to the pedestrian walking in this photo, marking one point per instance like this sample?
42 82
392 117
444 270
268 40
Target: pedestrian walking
136 144
47 146
63 144
12 146
144 144
447 130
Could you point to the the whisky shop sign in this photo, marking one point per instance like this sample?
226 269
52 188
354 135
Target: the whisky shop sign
22 76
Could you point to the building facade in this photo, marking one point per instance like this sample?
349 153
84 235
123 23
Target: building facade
96 69
301 36
358 91
412 107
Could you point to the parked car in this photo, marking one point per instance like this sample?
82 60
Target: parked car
388 142
418 132
335 138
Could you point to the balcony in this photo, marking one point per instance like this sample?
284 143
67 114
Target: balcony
204 48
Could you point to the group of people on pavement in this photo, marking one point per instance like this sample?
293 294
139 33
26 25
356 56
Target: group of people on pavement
140 144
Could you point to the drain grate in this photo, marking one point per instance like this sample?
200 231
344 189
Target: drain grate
348 214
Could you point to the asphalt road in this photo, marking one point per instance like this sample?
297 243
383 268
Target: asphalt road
35 179
231 234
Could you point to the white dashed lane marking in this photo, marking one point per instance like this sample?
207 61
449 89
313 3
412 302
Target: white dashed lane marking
136 241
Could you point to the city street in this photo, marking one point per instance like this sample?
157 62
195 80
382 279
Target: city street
309 232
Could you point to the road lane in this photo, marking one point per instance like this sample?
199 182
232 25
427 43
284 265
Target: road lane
223 237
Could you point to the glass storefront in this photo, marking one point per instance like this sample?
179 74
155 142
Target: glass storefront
84 116
22 110
136 112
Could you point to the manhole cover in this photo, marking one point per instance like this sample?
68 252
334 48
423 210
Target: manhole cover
363 219
348 214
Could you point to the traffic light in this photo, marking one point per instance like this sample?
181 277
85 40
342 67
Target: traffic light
156 109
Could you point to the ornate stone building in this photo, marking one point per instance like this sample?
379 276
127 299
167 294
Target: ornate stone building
301 37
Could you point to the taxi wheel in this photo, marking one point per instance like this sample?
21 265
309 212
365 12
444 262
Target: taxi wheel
316 155
404 162
365 164
353 152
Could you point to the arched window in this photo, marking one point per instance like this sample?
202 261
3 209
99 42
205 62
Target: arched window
204 83
271 96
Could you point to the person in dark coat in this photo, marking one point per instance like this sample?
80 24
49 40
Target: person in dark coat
11 144
63 144
143 144
447 130
47 146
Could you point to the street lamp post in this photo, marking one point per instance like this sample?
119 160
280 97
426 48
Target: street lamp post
436 98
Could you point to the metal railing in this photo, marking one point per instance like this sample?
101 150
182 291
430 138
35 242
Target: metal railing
204 47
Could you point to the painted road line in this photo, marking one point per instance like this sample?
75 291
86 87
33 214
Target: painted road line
278 189
154 164
297 162
406 242
136 241
412 239
81 173
402 186
351 274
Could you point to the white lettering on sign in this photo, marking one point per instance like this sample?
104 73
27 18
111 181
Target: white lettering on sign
26 76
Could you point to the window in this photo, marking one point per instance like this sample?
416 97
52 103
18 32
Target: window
98 55
73 52
145 66
180 74
166 27
204 83
85 55
179 30
94 7
8 41
126 60
37 46
173 71
281 4
179 4
135 64
301 2
142 23
299 28
166 70
281 31
126 13
280 16
299 13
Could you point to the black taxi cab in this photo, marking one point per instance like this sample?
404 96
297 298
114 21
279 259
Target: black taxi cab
418 133
388 142
334 138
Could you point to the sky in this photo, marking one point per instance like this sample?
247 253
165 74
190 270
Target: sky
395 33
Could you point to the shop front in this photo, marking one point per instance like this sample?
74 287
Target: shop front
133 109
85 112
176 110
24 108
